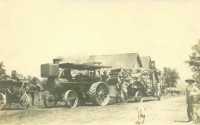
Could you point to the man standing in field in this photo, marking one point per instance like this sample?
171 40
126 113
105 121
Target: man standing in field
191 90
34 89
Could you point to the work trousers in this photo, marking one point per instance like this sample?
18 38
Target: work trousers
190 108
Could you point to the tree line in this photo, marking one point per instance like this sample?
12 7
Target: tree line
194 62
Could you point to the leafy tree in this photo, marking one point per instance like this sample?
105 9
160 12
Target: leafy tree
2 71
194 61
170 77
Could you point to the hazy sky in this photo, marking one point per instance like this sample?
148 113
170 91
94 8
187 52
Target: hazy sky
34 31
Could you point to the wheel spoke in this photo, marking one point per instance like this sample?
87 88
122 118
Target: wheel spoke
101 94
71 98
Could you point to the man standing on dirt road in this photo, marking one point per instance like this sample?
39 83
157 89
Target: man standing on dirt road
34 89
191 90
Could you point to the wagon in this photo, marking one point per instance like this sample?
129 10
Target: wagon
12 91
132 86
74 84
123 87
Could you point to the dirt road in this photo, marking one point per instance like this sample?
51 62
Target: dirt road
169 111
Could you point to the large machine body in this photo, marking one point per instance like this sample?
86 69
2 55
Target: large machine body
74 84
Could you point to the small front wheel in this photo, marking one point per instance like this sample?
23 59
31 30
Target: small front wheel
71 98
99 92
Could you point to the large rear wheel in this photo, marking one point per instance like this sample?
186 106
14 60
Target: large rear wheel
100 93
71 99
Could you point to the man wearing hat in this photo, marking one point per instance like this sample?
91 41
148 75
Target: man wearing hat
191 90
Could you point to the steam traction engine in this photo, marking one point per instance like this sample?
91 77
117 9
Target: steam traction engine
74 84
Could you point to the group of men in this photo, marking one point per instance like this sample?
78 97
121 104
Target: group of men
122 85
125 84
31 86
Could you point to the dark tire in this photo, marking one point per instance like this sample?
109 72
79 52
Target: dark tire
138 95
2 101
99 93
71 99
49 100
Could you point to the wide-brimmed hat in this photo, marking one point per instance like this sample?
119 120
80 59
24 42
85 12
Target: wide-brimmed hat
190 80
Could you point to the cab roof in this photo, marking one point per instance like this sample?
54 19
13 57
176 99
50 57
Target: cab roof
82 66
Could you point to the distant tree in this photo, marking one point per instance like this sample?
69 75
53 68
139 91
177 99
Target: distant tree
2 69
170 77
194 61
3 74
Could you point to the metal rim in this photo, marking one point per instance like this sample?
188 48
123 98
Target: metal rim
71 99
102 95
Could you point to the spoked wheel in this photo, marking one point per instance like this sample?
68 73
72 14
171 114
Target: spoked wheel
25 100
71 99
49 100
2 101
99 92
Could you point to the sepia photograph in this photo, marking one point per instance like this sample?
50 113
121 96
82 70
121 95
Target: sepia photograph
99 62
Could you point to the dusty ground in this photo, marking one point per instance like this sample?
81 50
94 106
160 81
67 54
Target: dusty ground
169 111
